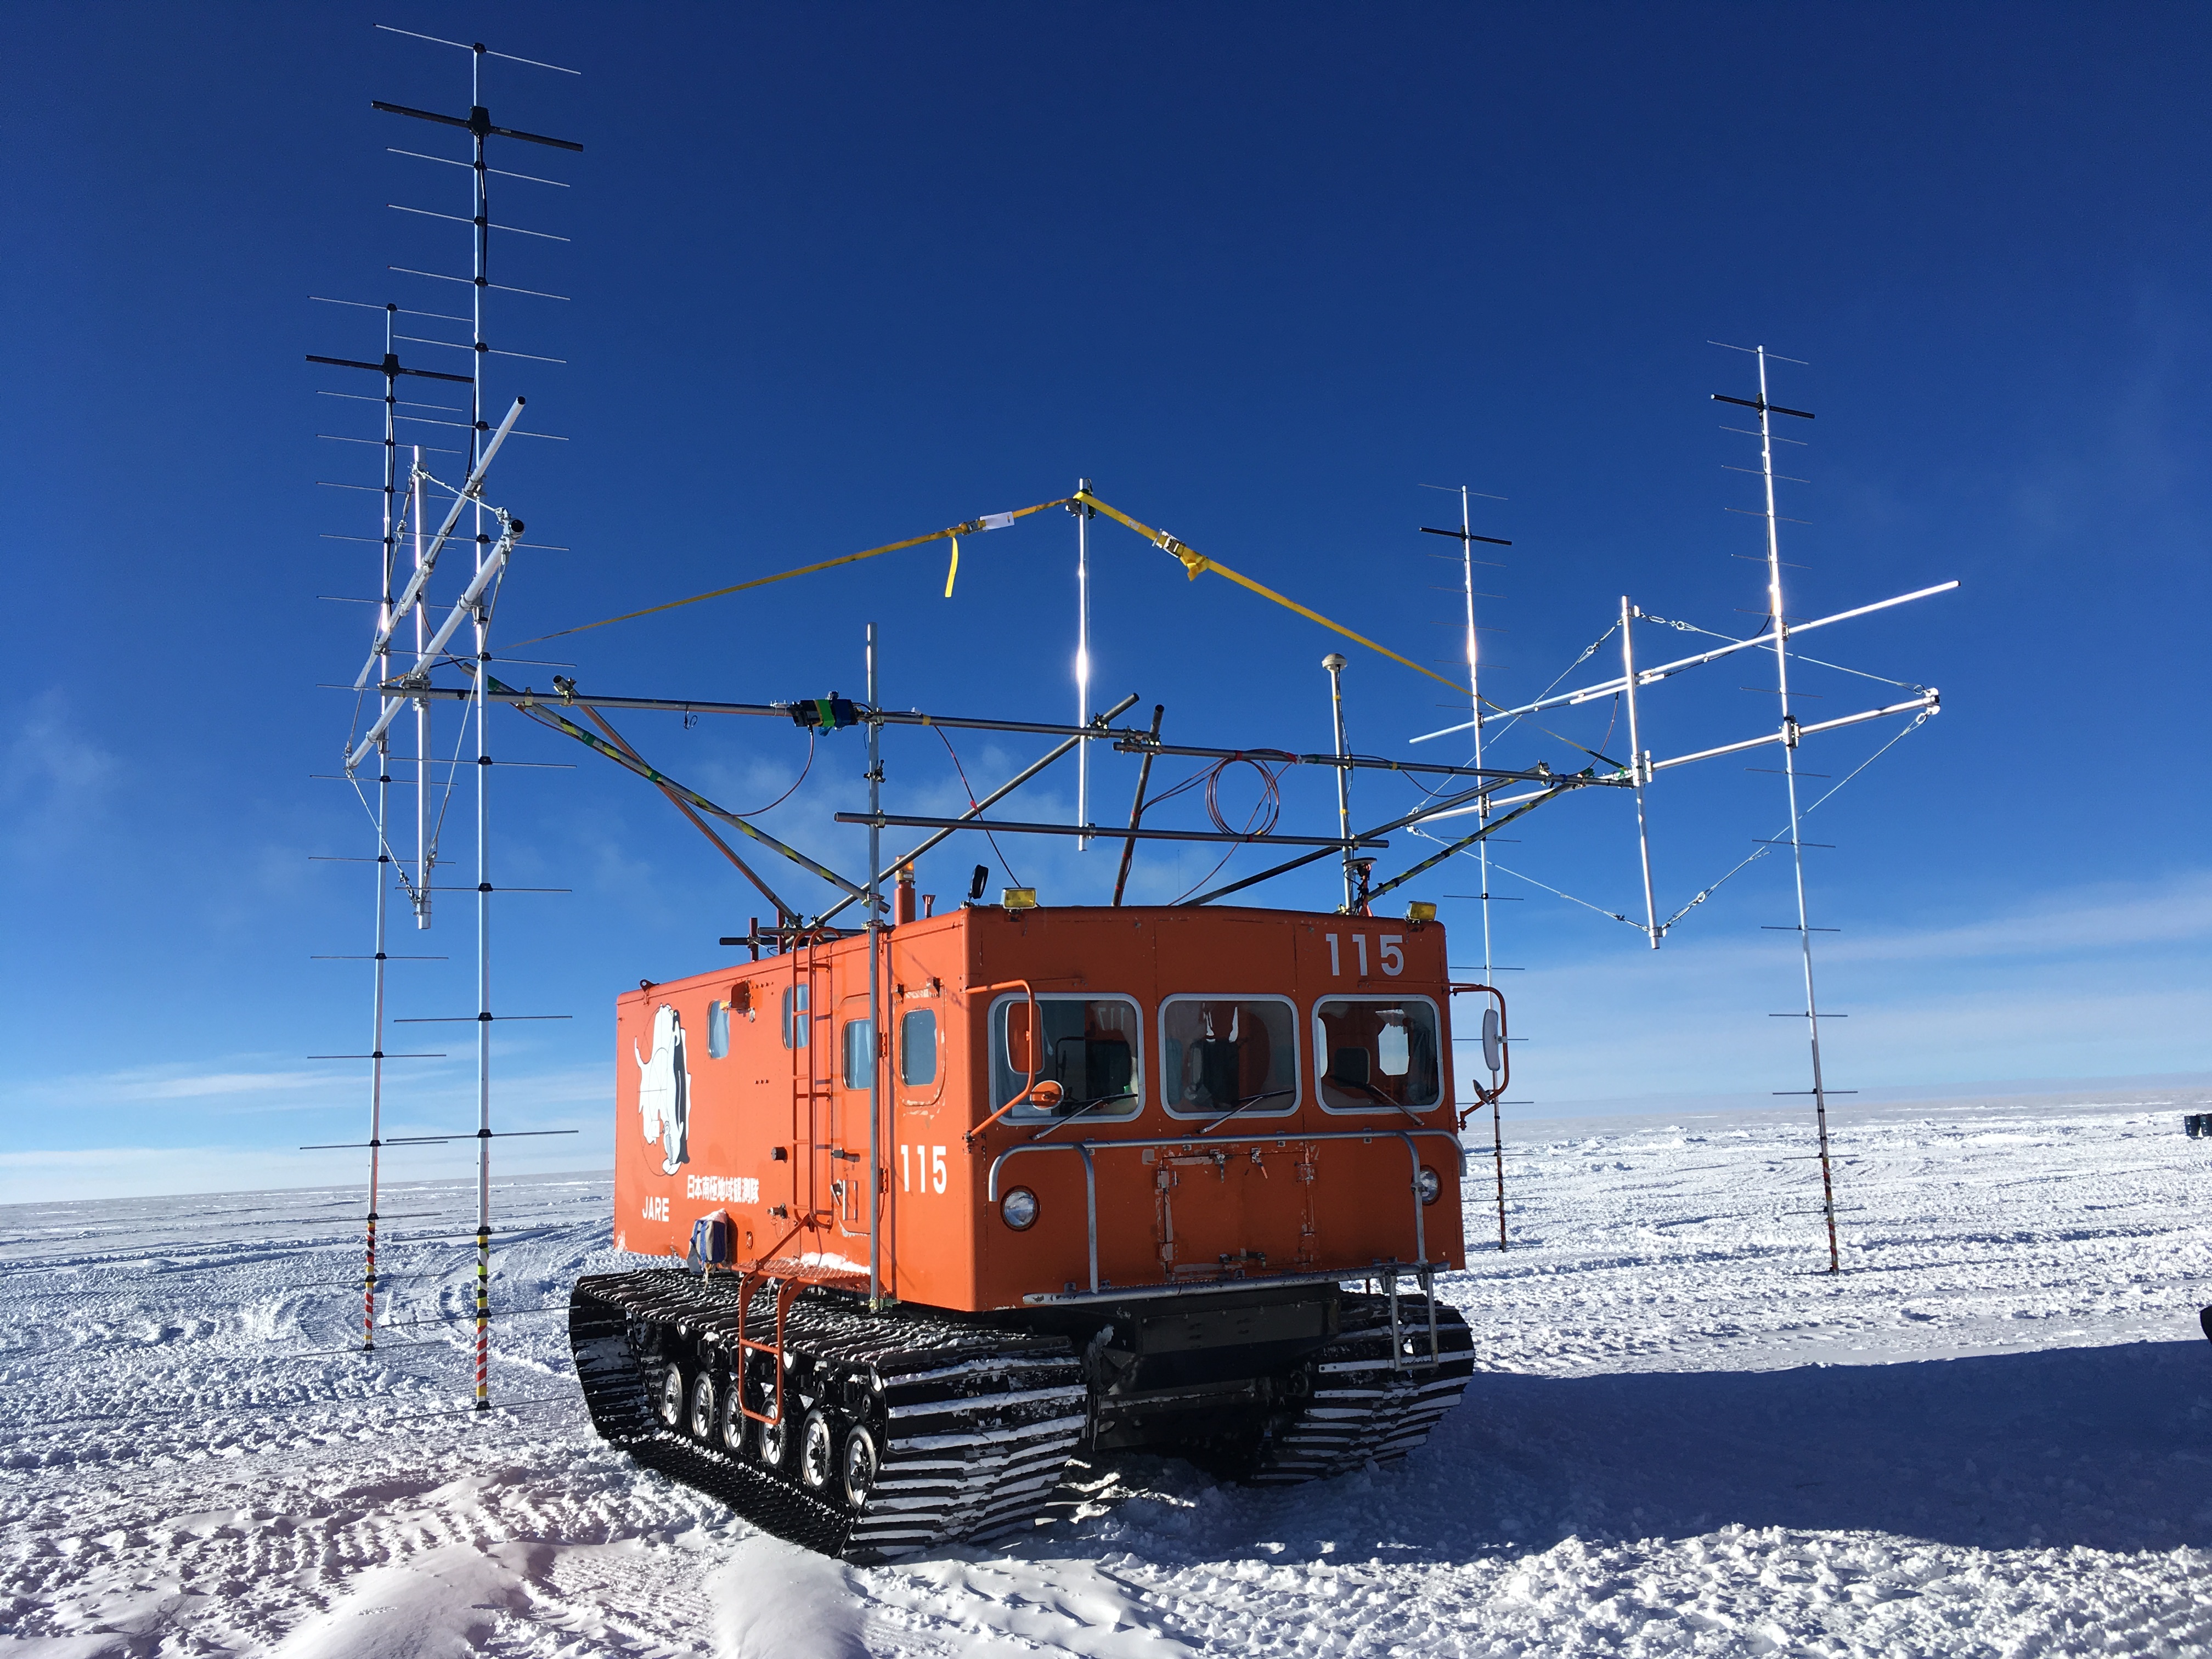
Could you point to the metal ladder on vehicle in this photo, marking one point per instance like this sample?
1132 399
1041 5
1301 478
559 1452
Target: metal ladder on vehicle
1425 1277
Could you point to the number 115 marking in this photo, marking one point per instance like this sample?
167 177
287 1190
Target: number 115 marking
926 1173
1390 947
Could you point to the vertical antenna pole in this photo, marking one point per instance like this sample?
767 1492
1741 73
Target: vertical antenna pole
1636 768
1082 662
1475 702
483 274
422 712
878 1049
385 553
1482 817
1780 624
1334 664
483 1004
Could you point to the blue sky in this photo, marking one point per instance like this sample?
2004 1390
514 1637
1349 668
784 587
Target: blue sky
845 274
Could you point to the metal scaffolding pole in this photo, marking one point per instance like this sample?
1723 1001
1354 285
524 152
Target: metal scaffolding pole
1334 663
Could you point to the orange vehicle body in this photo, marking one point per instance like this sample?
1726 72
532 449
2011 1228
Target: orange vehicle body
1211 1094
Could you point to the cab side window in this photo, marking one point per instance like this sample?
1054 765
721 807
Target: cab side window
1376 1054
918 1047
860 1053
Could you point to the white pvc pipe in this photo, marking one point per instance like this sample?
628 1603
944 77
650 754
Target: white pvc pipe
420 579
1651 676
462 607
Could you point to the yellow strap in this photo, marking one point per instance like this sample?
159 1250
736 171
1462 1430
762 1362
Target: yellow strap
952 569
974 526
1194 561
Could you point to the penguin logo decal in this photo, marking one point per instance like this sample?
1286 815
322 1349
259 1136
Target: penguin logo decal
663 1091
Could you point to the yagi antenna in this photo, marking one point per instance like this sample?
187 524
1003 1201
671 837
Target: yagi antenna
1778 626
469 517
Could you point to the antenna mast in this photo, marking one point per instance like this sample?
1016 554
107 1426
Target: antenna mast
431 647
1778 618
1084 513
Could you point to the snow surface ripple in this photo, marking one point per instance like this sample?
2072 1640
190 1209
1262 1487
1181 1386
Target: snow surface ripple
1992 1435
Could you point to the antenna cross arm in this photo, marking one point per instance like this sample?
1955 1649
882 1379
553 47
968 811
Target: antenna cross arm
1761 405
390 366
1662 671
478 122
1931 703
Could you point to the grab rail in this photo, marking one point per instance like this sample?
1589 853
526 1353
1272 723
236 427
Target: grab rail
1091 1148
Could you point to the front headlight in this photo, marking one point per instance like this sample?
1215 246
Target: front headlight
1019 1209
1427 1184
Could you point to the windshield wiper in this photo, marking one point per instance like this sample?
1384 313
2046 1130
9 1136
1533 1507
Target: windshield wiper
1250 1100
1378 1097
1126 1094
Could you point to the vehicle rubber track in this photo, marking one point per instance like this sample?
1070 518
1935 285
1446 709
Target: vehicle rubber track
1364 1408
974 1425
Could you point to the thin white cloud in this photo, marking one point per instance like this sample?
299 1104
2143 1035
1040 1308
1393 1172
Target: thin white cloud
2103 982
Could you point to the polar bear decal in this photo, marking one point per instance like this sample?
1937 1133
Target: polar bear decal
663 1091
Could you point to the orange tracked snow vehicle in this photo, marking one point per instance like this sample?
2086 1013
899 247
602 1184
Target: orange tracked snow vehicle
1123 1164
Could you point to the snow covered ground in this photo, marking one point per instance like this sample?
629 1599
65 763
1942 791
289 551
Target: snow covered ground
1991 1435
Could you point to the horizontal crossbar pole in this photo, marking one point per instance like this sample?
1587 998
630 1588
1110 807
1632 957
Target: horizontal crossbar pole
1115 832
1651 676
1929 702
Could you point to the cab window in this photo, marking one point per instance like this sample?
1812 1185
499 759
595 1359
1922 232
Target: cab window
1376 1054
860 1053
918 1047
1088 1051
1229 1055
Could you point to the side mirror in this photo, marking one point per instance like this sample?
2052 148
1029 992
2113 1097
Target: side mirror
1494 1049
1021 1047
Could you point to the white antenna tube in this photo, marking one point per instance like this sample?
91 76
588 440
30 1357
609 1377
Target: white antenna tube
1639 768
1653 676
488 571
471 494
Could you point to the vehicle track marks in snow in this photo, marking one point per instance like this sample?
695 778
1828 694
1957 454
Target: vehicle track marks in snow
1993 1434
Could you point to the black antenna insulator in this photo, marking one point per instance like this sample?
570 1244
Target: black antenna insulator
1763 408
478 122
390 366
1466 536
977 882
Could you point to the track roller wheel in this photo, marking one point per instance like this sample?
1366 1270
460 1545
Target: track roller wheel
817 1452
857 1467
669 1403
773 1442
705 1408
732 1427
